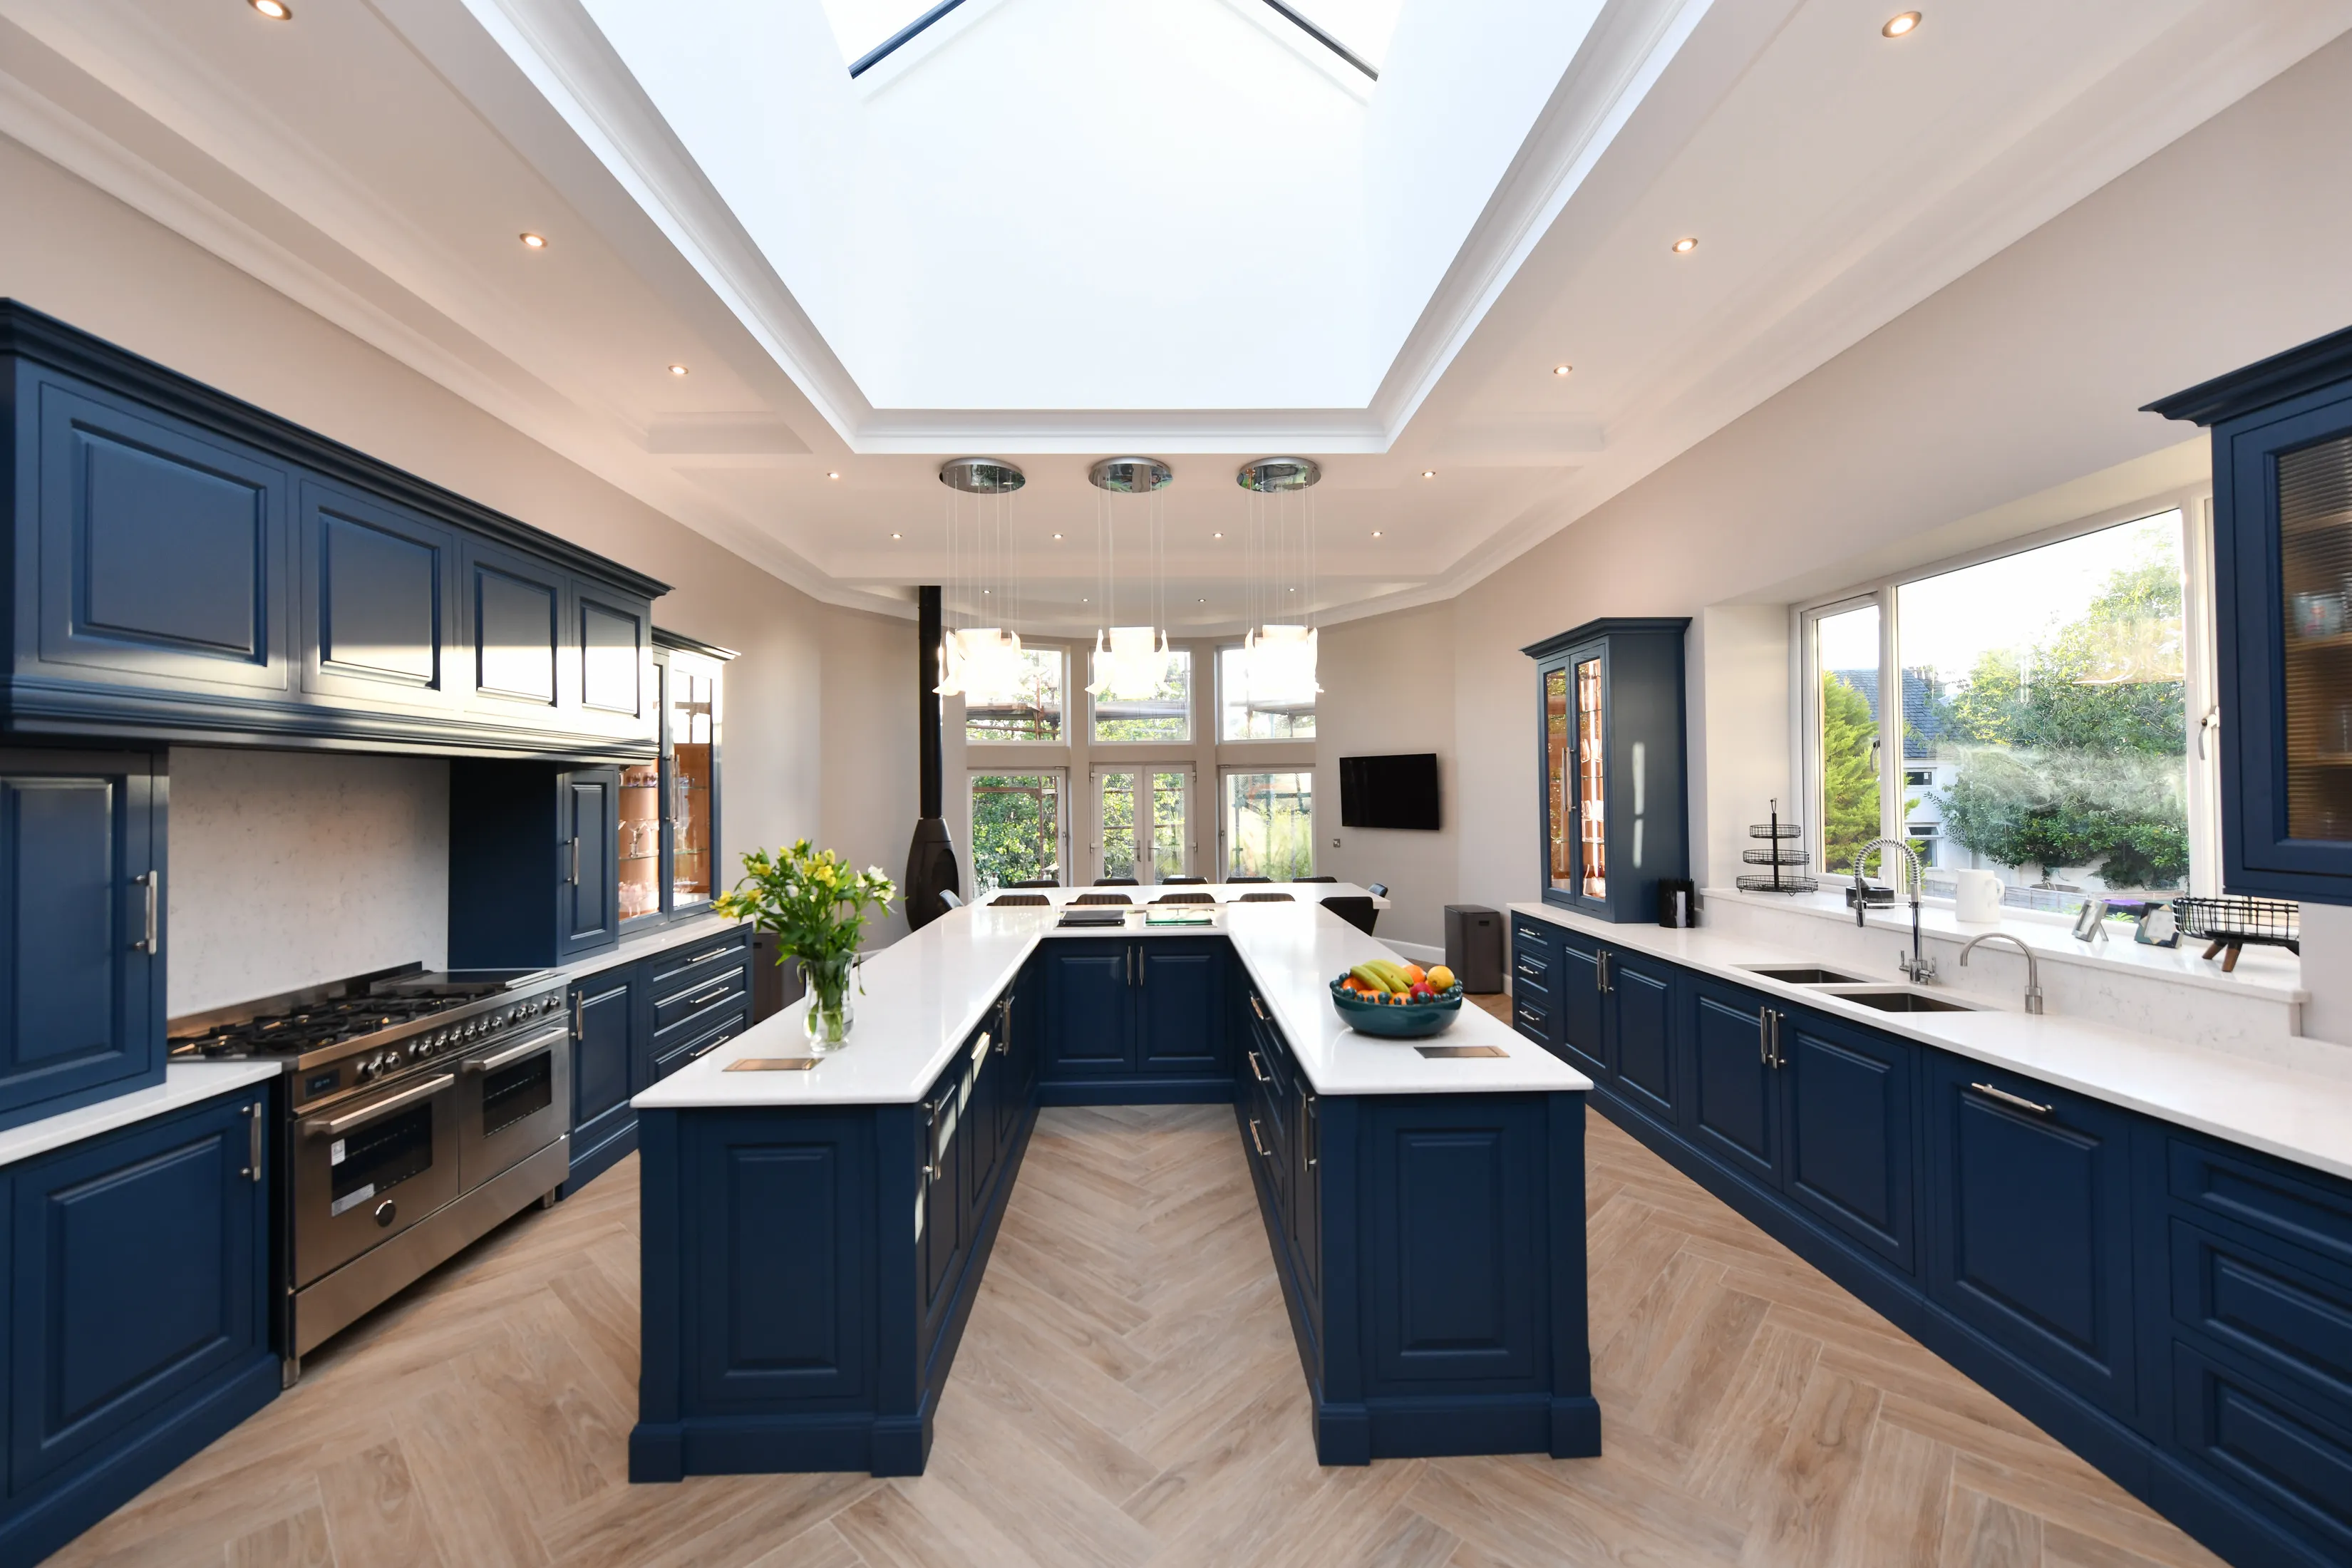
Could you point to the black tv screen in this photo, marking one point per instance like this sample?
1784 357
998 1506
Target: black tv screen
1389 792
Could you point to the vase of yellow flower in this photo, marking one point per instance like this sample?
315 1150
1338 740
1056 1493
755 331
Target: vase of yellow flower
815 904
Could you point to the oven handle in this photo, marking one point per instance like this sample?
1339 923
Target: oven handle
514 1053
341 1124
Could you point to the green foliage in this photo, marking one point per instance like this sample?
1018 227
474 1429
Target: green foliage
815 902
1273 826
2070 752
1849 782
1016 828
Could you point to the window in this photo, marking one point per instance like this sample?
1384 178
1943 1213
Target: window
1033 712
1269 825
1157 831
1164 713
1251 706
2039 722
1016 829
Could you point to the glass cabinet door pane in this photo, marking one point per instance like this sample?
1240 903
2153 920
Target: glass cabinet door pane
1590 783
1559 785
641 845
2315 583
693 740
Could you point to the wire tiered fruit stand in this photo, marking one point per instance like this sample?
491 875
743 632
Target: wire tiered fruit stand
1781 853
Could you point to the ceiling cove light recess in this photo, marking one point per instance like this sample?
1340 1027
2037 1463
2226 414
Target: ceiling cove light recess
1132 661
981 664
1902 25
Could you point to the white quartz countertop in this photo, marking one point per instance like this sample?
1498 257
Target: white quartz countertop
184 1084
926 993
2306 1116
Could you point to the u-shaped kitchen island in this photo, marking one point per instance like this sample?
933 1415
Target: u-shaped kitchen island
813 1239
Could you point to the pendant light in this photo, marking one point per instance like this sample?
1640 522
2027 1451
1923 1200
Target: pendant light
1131 661
982 663
1278 650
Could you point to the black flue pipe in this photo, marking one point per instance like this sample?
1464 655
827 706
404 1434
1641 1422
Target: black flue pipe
930 858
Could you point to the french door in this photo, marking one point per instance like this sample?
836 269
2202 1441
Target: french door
1143 822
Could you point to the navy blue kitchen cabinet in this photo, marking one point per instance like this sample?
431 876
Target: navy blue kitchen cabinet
603 1036
81 862
189 568
1610 757
1733 1112
1616 1018
532 852
112 1381
1535 981
2282 545
1849 1112
1134 1017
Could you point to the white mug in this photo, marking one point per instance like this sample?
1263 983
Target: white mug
1977 900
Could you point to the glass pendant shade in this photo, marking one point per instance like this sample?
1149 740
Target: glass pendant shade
1131 664
1279 661
981 664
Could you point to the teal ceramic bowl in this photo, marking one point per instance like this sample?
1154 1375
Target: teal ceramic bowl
1416 1021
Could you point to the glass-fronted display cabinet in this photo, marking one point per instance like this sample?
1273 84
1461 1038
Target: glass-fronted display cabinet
2282 612
669 843
1613 808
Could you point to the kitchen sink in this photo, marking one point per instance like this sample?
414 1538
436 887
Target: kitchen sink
1804 974
1894 1000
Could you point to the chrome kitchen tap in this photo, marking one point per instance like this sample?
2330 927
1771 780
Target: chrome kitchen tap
2032 970
1918 968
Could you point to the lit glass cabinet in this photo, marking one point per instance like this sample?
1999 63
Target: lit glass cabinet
2282 610
1614 814
669 844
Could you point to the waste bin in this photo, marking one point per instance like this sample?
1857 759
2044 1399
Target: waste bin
1474 947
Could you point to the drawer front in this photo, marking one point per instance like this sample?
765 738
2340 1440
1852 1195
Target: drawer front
682 969
1533 968
2296 1322
718 983
2291 1464
1528 933
689 1025
712 1034
1537 1020
2302 1210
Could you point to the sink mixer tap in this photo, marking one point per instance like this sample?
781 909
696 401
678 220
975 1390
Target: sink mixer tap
1918 968
2032 970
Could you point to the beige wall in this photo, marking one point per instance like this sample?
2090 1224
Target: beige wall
1387 687
248 919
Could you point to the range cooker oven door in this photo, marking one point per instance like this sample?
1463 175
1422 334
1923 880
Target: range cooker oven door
368 1167
514 1099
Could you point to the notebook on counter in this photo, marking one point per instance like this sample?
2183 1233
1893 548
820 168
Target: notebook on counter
1095 915
1193 916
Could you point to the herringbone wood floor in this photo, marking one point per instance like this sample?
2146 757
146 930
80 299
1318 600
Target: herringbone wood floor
1128 1394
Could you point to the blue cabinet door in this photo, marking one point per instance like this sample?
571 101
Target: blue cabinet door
1180 1001
1583 1041
612 639
604 1055
1089 1008
1850 1110
379 601
589 901
1733 1110
137 1281
81 993
1640 1007
2030 1223
163 548
514 609
942 1204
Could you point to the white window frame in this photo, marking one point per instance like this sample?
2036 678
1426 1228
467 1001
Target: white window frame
1191 710
1224 818
1061 827
2195 505
1146 871
1063 739
1217 652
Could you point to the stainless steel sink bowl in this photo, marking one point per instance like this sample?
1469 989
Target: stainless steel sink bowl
1804 974
1892 1000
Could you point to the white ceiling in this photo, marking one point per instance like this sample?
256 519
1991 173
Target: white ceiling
1004 244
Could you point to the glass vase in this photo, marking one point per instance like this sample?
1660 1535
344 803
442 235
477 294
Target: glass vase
831 985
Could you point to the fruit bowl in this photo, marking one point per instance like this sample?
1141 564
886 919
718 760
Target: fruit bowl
1397 1020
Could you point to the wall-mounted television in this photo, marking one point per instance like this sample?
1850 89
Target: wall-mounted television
1390 792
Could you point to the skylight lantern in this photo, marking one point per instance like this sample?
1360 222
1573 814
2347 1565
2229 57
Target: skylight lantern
1132 661
983 664
1279 649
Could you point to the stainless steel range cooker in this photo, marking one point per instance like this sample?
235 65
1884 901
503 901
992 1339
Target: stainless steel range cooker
421 1110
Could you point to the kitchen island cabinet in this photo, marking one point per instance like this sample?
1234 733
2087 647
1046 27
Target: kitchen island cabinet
1425 1213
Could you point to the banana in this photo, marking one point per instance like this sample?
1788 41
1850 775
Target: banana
1392 975
1364 974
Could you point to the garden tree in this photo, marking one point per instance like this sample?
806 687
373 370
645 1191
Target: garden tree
1015 819
2071 751
1849 782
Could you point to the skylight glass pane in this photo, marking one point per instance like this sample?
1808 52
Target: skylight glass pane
860 27
1361 27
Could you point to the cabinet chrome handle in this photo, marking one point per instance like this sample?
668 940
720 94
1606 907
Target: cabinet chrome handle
1317 1141
574 878
512 1053
1530 970
705 993
579 1026
2019 1100
341 1124
1600 971
1257 1067
1533 1019
1259 1008
1779 1058
1257 1142
151 883
719 952
1764 1036
1005 1025
252 1143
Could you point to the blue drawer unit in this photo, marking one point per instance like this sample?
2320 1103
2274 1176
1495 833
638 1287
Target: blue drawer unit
112 1381
81 866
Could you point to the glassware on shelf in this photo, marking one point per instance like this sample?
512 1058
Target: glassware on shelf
1591 776
2314 492
1559 785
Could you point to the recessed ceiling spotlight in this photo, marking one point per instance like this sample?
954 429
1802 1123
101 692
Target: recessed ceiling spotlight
532 241
897 536
1686 244
677 370
276 10
1057 536
1377 534
1216 536
1199 601
1901 26
1562 368
1429 473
